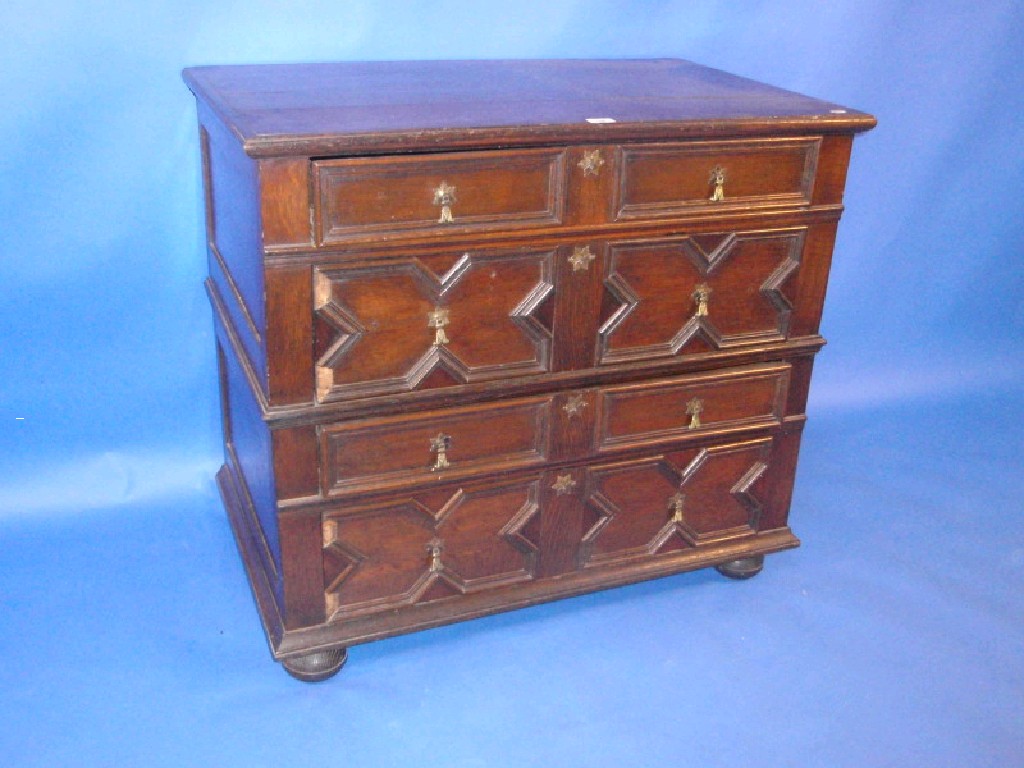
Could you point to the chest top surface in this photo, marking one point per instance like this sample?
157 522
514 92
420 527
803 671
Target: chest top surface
353 107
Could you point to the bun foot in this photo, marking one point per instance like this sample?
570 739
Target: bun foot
316 666
744 568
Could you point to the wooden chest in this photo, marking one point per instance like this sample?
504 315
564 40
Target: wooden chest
495 333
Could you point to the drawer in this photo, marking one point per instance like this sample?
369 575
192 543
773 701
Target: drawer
650 508
681 295
383 197
442 319
706 177
422 449
456 540
637 415
438 445
470 545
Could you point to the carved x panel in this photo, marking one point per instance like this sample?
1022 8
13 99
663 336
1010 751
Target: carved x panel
401 325
697 293
430 546
655 505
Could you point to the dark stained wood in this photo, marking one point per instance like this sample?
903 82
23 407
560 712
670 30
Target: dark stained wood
811 281
575 418
671 179
358 107
225 403
576 318
398 450
248 449
649 507
650 413
442 395
296 462
264 580
593 374
288 301
439 545
284 199
799 385
651 307
233 235
374 333
380 198
374 626
301 535
833 160
776 488
690 220
561 527
593 171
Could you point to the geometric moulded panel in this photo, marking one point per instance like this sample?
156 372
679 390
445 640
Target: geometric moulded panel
701 293
429 546
398 326
656 505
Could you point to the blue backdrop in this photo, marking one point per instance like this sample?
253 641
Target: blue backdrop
894 637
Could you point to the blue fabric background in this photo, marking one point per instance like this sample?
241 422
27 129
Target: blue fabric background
893 637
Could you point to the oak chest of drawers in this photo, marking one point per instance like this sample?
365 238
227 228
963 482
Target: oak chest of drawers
494 333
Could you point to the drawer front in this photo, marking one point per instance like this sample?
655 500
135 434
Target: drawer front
476 545
649 508
638 415
395 196
707 177
430 546
438 445
425 448
700 293
416 323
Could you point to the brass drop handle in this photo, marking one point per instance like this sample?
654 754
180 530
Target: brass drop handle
675 506
718 179
435 548
694 409
440 445
701 295
444 195
438 319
